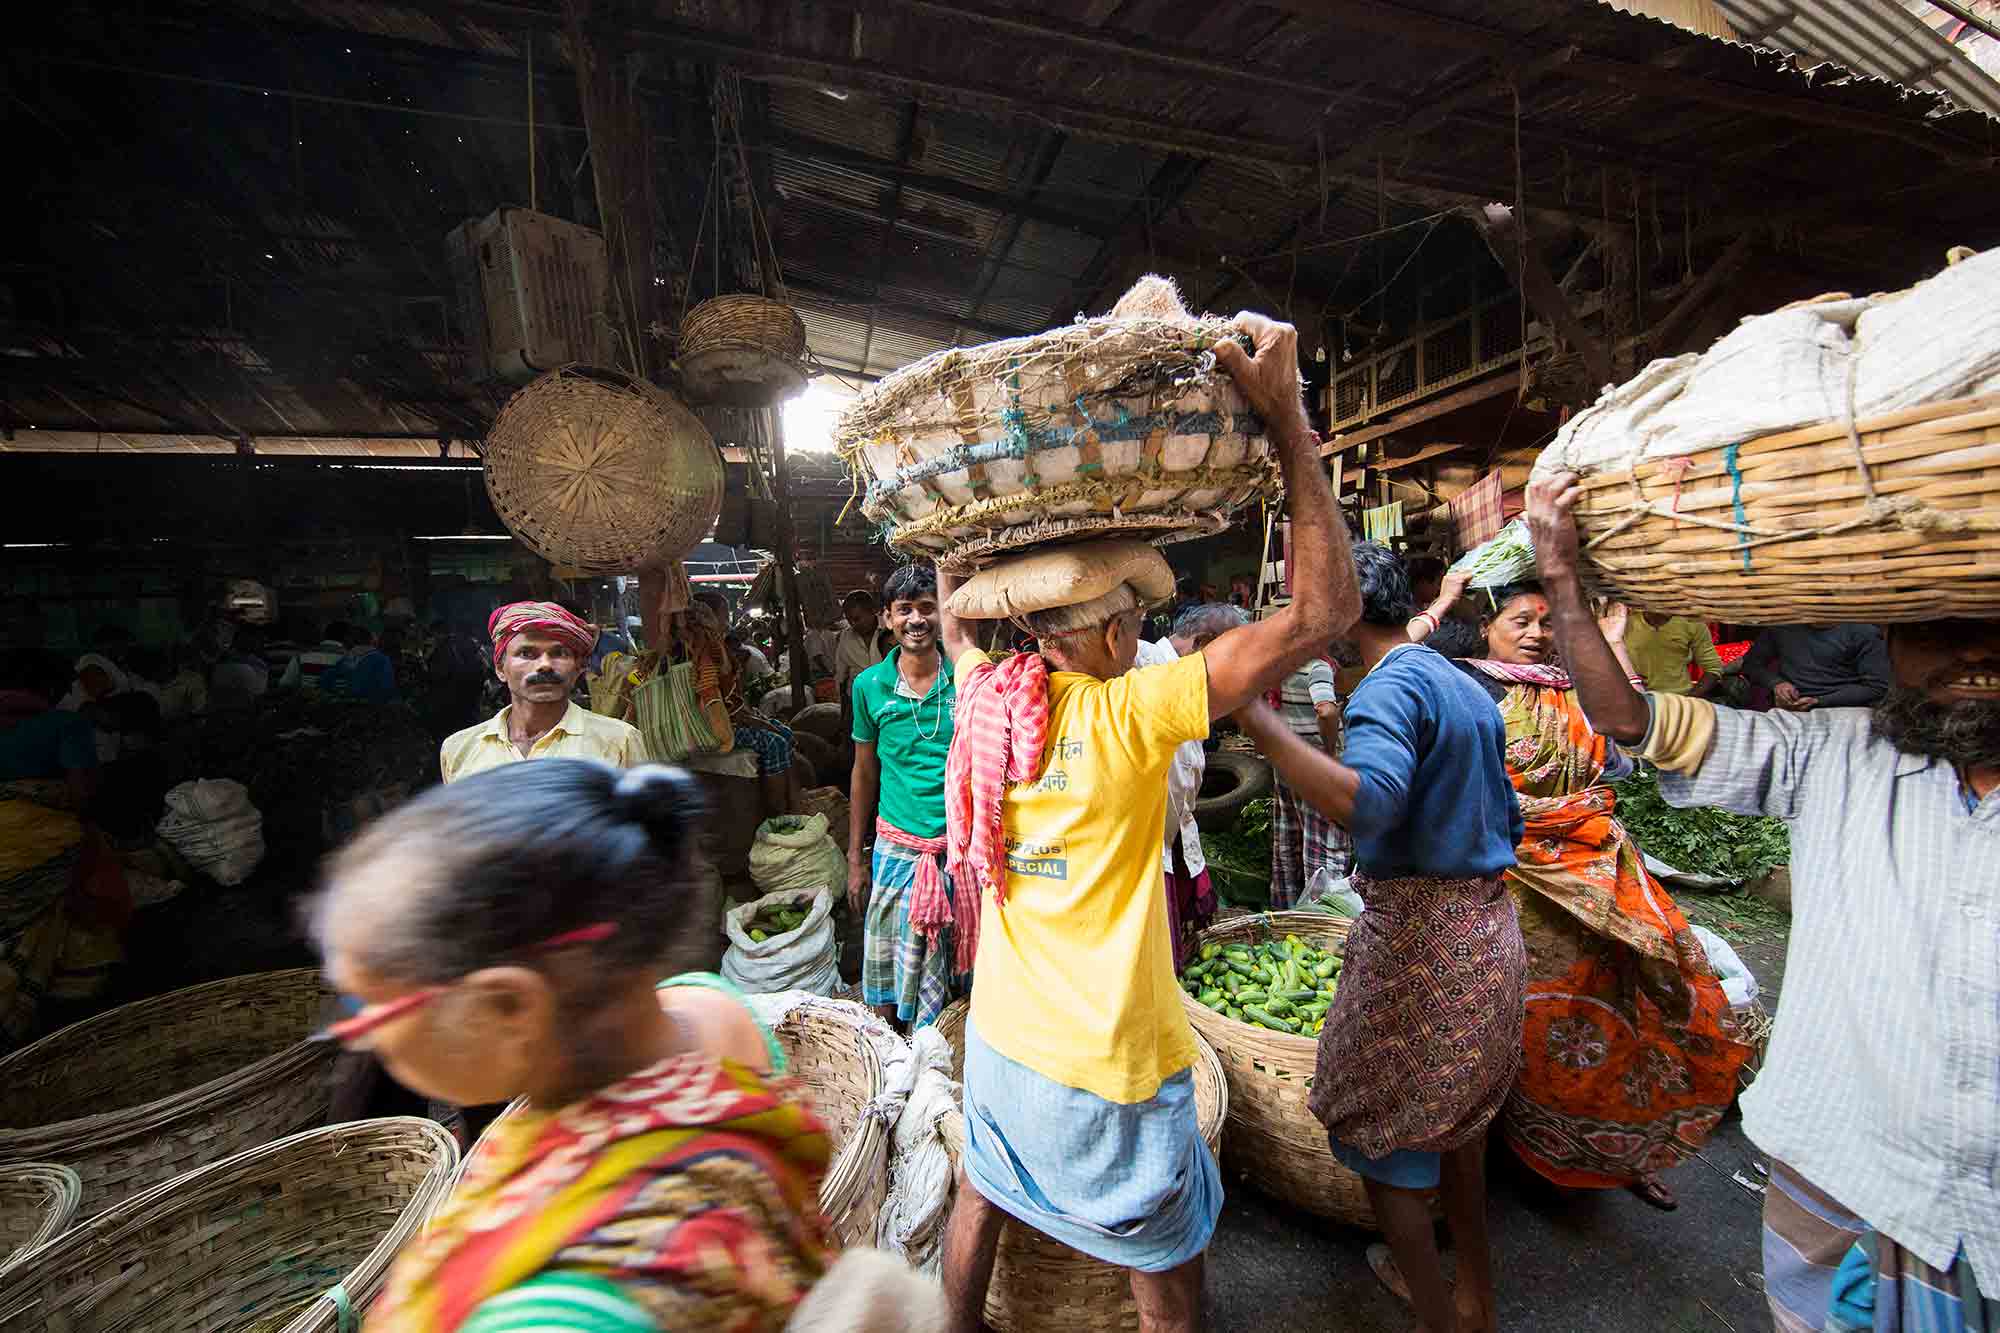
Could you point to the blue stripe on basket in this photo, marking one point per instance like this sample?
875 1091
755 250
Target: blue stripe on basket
1736 498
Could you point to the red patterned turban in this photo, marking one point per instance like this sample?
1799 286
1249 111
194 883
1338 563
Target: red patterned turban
518 618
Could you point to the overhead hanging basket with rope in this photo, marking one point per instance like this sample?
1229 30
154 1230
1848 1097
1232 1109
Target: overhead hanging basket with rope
1118 425
600 470
742 351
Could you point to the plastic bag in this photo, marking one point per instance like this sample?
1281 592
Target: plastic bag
796 852
1333 893
212 824
803 959
1738 985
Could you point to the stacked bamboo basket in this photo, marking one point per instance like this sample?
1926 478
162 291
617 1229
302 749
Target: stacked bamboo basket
1115 426
842 1074
147 1091
1042 1286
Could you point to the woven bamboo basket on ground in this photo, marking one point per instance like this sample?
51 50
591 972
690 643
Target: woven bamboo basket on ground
37 1201
1039 1284
595 469
842 1075
742 351
283 1237
149 1090
1898 519
1272 1140
1107 427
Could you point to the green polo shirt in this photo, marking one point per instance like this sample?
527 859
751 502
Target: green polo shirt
910 736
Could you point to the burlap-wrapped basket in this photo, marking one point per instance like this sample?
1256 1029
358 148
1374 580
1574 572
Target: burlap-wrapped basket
742 351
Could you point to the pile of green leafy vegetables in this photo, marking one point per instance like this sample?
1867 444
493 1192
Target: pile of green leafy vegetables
1239 857
1700 840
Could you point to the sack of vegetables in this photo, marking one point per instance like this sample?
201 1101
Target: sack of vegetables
783 941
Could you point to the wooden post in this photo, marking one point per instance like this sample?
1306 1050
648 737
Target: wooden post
788 560
621 168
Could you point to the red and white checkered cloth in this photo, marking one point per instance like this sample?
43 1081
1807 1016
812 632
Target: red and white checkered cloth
997 738
1477 512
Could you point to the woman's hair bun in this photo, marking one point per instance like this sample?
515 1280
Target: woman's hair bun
663 800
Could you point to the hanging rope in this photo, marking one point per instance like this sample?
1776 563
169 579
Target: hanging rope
1520 239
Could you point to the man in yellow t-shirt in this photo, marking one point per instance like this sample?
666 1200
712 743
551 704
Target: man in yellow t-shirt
1080 1118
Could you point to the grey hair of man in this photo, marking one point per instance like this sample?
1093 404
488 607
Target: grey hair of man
1057 621
1199 625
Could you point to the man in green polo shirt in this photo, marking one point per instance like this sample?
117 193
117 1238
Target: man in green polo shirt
903 709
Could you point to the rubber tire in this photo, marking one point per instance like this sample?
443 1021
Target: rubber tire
776 701
825 758
1252 779
822 720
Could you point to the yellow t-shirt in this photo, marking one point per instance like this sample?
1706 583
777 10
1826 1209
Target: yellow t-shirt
1075 972
581 734
1662 655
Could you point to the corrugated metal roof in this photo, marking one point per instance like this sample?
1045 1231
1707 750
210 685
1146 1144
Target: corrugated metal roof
1875 37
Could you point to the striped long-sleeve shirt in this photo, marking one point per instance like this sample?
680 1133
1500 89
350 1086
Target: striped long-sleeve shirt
1882 1083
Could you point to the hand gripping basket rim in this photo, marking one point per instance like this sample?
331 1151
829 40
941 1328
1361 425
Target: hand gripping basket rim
1071 388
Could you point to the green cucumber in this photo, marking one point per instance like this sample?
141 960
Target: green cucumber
1271 1020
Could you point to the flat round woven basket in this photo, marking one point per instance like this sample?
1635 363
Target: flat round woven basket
1042 1286
595 469
1899 520
1103 428
1272 1140
285 1236
842 1075
742 351
149 1090
37 1201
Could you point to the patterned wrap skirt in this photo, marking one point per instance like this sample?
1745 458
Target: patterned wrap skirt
1424 1038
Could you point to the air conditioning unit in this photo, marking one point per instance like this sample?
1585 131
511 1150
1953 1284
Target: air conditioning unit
531 292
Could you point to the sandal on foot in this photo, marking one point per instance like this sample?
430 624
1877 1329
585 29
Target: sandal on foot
1652 1192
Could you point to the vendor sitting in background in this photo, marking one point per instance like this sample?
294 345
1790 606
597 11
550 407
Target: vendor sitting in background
704 639
306 668
1663 648
1820 666
854 648
539 651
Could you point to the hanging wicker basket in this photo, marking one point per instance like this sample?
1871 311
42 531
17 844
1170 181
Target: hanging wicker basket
1272 1140
294 1236
1040 1285
149 1090
742 351
602 472
1111 426
37 1201
1897 520
836 1062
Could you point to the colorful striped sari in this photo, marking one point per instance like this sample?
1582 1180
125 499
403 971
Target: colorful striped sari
691 1187
1629 1057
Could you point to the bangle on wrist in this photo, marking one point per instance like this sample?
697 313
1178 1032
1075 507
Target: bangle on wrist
1425 615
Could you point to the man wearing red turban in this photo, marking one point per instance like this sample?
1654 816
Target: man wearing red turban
539 651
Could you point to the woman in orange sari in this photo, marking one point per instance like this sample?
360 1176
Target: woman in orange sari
1630 1053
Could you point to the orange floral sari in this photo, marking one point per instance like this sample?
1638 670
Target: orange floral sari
1630 1059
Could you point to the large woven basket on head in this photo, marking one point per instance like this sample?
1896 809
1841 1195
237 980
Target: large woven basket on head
149 1090
293 1236
1897 519
1112 426
742 351
595 469
1042 1285
830 1054
1272 1140
37 1201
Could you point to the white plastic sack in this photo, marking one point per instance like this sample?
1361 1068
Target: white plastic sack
803 859
1737 983
1940 339
921 1173
804 959
1334 890
212 824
